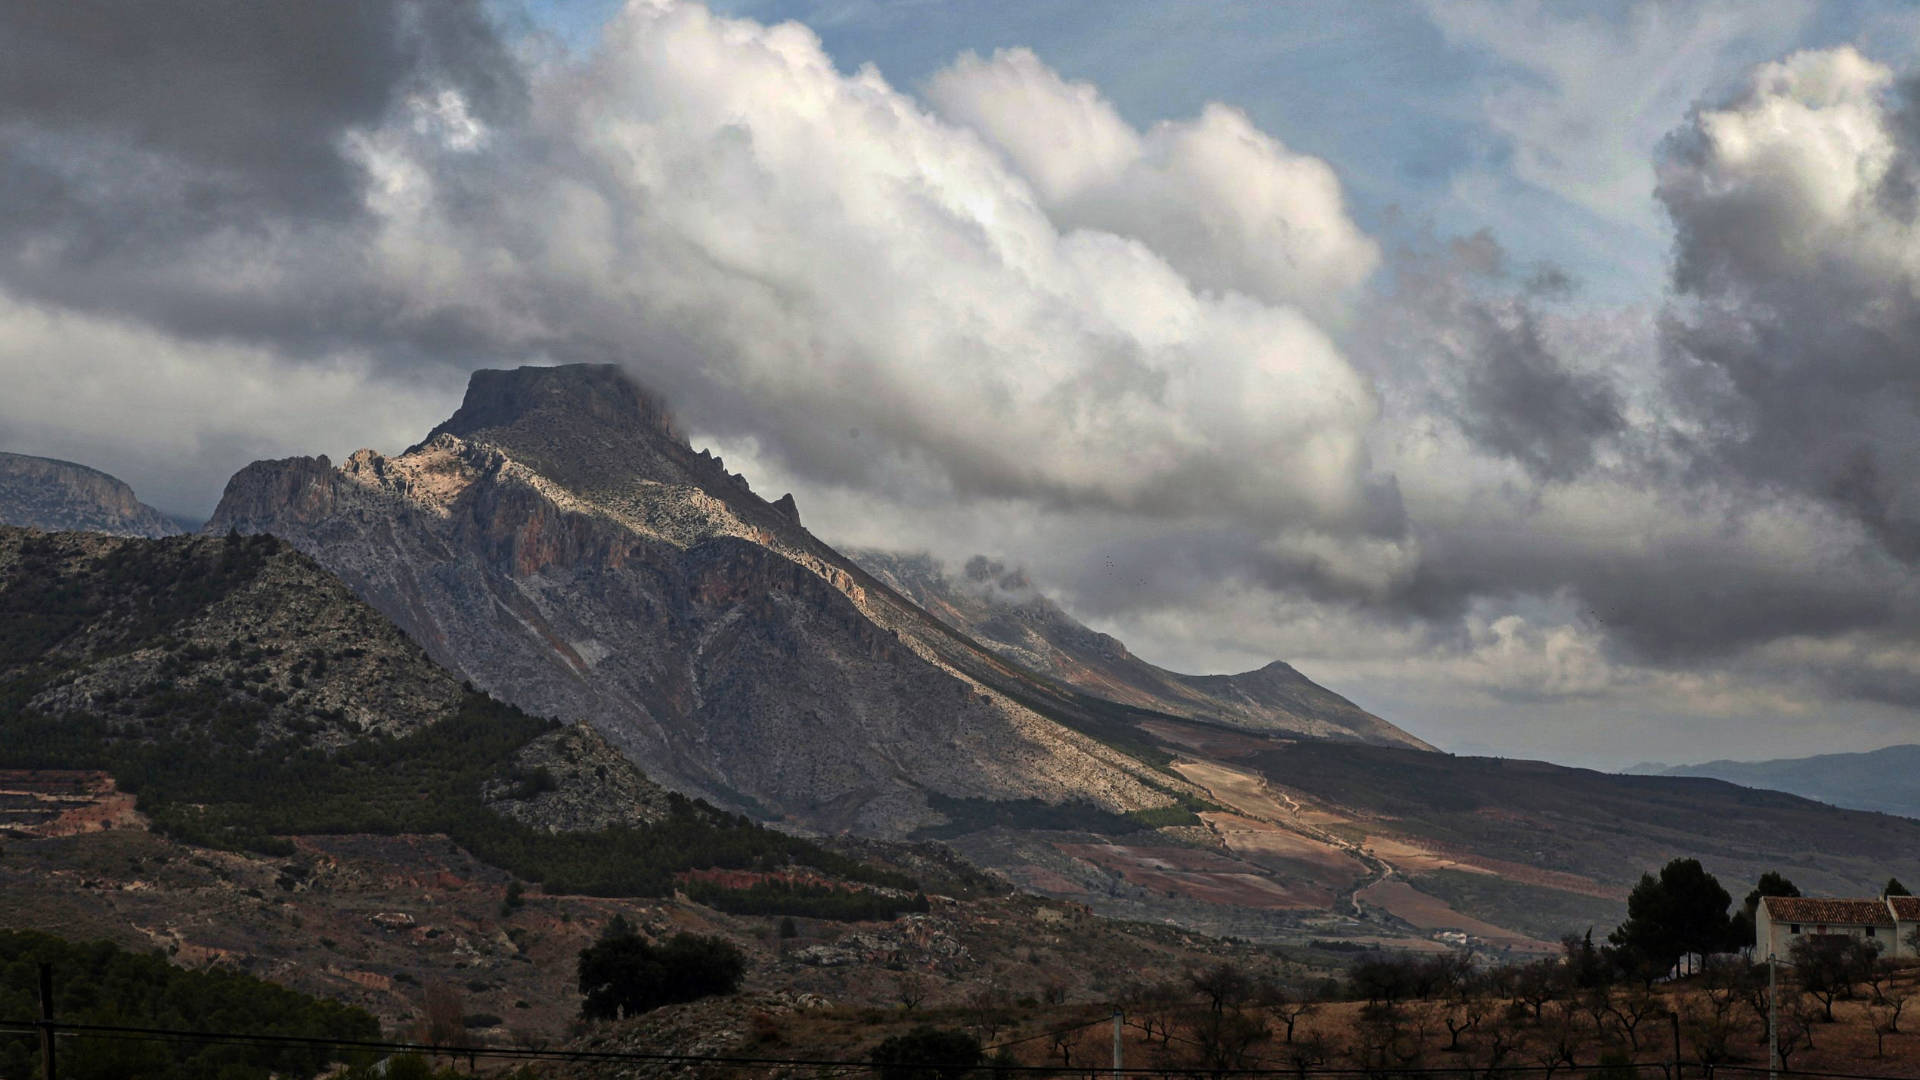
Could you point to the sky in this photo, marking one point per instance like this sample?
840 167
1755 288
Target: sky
1544 377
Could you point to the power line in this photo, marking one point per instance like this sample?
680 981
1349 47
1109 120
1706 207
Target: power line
1049 1033
844 1066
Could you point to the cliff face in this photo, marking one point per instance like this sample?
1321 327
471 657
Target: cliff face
59 496
560 544
1000 609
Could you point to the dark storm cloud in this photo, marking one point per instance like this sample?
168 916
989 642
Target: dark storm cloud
249 97
140 134
1475 334
1523 404
1796 330
936 315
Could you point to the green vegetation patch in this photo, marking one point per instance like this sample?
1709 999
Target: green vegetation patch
101 983
1162 817
971 815
1535 910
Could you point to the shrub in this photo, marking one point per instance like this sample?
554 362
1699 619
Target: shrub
927 1053
625 975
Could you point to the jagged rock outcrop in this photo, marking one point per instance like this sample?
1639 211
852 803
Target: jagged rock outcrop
558 542
1000 608
573 780
60 496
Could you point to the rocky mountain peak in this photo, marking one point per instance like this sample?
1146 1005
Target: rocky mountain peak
579 397
594 430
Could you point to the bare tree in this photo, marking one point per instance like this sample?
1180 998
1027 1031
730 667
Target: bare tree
986 1004
443 1014
1710 1027
910 989
1151 1005
1883 1012
1289 1007
1536 984
1597 1003
1557 1040
1064 1040
1463 1014
1632 1007
1380 1041
1498 1040
1226 1040
1829 966
1312 1050
1878 975
1224 985
1884 1016
1757 996
1798 1016
1895 998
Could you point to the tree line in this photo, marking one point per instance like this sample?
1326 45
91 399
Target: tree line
101 983
804 899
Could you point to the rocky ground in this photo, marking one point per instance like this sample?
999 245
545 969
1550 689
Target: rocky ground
376 921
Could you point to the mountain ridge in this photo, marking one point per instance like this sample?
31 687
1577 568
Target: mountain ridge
1883 780
1000 609
63 496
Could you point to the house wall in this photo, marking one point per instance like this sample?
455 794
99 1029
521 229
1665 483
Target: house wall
1778 938
1769 938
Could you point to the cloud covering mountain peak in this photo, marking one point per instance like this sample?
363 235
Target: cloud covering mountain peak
1159 363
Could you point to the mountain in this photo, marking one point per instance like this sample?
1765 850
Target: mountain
558 542
210 746
59 496
1001 609
1887 780
192 668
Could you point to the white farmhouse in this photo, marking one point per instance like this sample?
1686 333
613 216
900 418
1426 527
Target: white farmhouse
1906 920
1886 922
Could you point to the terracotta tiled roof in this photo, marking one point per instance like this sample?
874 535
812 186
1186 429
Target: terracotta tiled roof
1825 912
1906 907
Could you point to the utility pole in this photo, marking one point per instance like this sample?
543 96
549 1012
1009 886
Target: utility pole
1773 1019
1674 1016
46 1022
1117 1063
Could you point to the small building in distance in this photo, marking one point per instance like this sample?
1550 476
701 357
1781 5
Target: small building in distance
1906 921
1885 922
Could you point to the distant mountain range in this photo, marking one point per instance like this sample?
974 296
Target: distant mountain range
59 496
1001 609
1887 780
